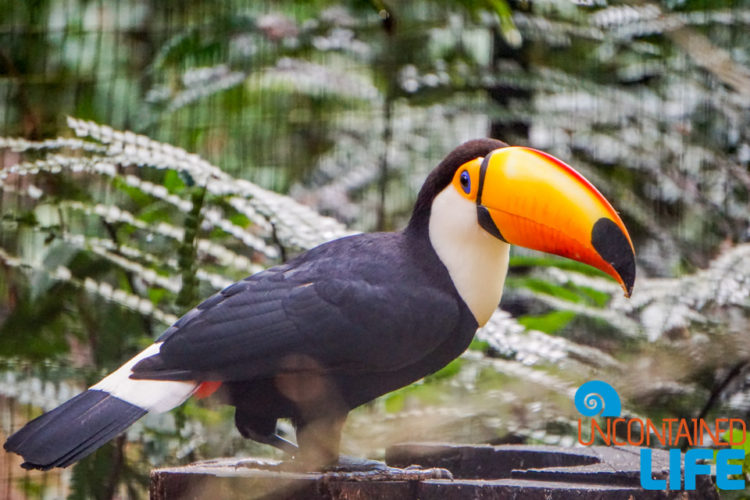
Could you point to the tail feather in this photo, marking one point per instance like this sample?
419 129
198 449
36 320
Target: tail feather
78 427
73 430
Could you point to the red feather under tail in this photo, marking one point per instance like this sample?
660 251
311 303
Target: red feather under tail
206 389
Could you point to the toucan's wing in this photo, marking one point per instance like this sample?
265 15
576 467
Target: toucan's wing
342 320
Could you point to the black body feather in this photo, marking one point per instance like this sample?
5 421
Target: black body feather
371 313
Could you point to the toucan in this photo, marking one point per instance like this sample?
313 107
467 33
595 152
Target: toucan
354 318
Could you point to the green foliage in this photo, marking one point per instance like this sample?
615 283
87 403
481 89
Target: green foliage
521 262
739 437
448 371
35 328
741 442
100 464
428 392
545 287
349 110
187 252
549 323
173 182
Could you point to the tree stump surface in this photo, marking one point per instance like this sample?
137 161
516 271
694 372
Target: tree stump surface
479 472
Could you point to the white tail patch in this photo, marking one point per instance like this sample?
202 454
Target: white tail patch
152 395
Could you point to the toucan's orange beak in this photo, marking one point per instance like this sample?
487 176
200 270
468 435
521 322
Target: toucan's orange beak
531 199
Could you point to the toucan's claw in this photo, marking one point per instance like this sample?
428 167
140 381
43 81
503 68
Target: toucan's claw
359 469
282 444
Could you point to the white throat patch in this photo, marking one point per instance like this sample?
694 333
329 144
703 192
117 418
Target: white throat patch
476 261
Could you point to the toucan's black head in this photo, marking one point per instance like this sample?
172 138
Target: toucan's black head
523 197
443 174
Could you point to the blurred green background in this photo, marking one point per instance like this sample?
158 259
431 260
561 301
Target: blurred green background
345 106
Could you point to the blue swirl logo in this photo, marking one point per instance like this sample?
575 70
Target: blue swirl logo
598 398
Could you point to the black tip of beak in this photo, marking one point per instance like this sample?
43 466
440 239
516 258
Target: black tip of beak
614 247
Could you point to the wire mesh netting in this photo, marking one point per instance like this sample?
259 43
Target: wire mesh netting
114 114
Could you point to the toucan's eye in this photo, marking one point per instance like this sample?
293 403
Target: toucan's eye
464 178
465 181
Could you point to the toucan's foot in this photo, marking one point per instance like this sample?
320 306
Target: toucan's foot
356 464
259 463
344 464
349 469
362 469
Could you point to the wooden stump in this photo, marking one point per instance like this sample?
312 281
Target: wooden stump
479 472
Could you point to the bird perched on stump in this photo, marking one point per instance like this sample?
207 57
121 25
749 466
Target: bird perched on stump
354 318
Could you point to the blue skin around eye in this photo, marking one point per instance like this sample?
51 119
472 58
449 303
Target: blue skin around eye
466 182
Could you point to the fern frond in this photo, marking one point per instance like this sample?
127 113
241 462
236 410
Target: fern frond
100 288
